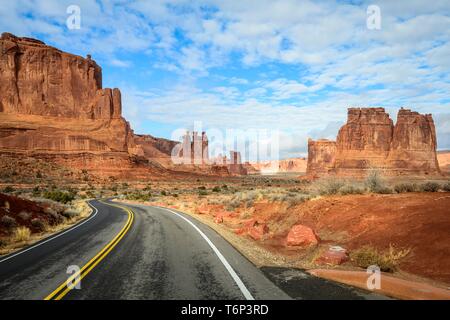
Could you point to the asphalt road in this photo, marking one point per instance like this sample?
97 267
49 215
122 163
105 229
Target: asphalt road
164 255
145 253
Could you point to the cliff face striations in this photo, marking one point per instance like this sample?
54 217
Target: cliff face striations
369 140
53 106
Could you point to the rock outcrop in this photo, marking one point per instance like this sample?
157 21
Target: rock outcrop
274 166
53 106
321 157
369 140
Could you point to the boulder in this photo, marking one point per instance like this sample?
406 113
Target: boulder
334 255
301 235
257 231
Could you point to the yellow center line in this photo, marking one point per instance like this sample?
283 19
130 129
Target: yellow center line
74 279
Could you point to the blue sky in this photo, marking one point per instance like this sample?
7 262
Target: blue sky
294 66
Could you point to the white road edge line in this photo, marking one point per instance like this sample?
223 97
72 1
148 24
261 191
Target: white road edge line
52 238
222 259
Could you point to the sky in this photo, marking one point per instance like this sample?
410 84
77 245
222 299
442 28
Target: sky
288 66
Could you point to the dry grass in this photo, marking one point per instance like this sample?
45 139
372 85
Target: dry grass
388 260
21 234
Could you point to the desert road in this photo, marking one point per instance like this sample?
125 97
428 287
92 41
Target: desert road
141 252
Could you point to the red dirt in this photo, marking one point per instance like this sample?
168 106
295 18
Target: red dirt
420 221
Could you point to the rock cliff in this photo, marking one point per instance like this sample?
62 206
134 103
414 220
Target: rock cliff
321 157
53 106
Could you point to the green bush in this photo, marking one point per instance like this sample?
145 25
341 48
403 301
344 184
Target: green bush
59 196
216 189
8 189
202 193
430 187
8 222
39 225
3 243
446 187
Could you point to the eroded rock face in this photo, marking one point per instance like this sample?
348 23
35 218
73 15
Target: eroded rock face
52 105
364 141
370 140
413 145
321 157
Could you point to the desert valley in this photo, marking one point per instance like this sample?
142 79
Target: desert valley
377 195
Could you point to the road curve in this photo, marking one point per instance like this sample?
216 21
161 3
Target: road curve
162 255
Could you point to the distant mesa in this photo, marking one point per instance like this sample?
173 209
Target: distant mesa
370 140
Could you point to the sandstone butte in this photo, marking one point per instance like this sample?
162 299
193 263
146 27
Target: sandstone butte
53 107
370 140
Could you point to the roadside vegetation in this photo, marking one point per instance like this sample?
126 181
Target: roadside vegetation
387 260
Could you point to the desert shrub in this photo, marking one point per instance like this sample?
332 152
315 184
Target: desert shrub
351 189
8 189
39 225
202 193
446 186
36 192
430 187
201 188
8 222
90 194
293 200
405 187
70 213
59 196
328 186
375 183
22 234
384 190
3 243
216 189
164 193
387 261
138 196
24 215
39 175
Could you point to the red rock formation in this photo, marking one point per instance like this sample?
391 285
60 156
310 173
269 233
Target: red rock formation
370 140
364 141
274 166
444 161
235 166
413 146
321 156
53 106
301 235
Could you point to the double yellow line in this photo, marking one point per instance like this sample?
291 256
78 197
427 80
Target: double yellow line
74 279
